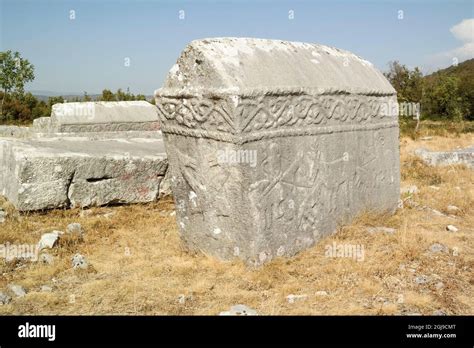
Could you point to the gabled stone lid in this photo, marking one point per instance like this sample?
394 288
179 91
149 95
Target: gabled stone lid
237 65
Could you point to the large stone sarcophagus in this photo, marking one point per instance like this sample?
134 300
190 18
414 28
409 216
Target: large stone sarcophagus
273 144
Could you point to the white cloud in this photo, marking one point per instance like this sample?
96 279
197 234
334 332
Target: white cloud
464 32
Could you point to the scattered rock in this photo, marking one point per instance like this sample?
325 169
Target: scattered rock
239 310
48 240
17 290
444 158
46 288
75 229
387 230
46 258
4 298
422 279
436 248
409 190
439 285
182 298
173 213
79 261
452 228
293 298
453 209
321 293
436 212
439 312
426 138
436 188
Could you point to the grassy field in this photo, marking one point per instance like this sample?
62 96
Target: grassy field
139 266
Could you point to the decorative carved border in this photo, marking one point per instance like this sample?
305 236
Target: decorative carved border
108 127
240 118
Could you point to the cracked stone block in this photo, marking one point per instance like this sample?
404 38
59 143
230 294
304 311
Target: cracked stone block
68 172
444 158
273 144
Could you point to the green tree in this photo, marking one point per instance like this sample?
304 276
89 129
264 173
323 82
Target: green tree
107 95
52 101
408 83
121 95
442 97
14 73
86 97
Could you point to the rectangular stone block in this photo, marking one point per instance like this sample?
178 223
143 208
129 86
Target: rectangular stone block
38 174
87 117
272 145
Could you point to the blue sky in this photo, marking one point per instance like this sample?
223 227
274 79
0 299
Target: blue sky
89 53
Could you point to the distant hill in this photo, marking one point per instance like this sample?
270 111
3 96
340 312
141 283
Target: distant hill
464 70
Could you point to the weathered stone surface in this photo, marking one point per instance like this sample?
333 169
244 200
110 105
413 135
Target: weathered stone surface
452 228
79 261
272 144
17 290
48 240
99 117
14 131
4 298
443 158
77 172
437 248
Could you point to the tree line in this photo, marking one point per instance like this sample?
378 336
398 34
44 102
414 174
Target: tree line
446 94
20 107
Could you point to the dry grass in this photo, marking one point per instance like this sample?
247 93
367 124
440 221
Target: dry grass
140 266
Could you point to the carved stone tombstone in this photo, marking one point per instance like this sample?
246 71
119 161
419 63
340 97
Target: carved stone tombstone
273 144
